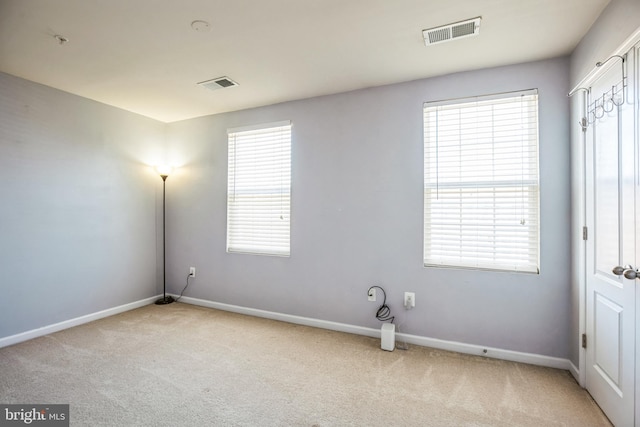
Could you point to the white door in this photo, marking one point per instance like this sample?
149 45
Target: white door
612 188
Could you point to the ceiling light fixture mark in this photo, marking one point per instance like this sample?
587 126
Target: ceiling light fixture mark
61 39
201 26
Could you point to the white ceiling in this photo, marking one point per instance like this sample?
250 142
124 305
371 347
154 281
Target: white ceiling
143 55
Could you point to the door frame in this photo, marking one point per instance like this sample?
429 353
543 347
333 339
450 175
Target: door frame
637 200
580 372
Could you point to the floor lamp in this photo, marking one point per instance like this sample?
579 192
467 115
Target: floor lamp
164 172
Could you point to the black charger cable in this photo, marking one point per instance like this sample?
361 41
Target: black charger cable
185 287
384 312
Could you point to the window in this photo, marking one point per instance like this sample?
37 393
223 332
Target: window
481 182
259 189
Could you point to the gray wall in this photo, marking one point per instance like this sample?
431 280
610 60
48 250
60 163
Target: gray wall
79 213
78 206
357 216
619 20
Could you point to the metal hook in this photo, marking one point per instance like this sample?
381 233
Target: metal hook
619 102
600 64
622 90
607 101
583 124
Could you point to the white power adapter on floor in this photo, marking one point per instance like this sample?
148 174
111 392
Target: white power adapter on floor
388 336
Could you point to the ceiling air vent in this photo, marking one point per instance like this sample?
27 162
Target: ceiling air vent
219 83
458 30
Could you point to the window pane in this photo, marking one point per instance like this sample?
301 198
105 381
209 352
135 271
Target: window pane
259 190
481 183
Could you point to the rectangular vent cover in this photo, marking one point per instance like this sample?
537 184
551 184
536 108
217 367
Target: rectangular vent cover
219 83
458 30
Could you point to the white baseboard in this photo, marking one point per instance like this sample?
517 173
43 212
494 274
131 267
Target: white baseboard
298 320
491 352
574 371
46 330
496 353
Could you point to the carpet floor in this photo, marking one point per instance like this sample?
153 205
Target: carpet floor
182 365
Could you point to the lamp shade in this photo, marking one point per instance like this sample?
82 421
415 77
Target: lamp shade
164 170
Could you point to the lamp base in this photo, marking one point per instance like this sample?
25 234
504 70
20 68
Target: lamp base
165 300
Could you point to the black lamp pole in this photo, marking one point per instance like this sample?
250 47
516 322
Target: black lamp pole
165 299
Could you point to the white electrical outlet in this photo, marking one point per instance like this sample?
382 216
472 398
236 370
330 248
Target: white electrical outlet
372 294
409 300
192 272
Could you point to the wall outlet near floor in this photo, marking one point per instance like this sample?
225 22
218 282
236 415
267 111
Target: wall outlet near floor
409 300
192 272
371 295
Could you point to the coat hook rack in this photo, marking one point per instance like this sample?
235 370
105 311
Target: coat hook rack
609 100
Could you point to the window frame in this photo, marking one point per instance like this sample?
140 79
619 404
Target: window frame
259 189
445 186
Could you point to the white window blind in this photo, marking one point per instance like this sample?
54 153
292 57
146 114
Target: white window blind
481 183
259 189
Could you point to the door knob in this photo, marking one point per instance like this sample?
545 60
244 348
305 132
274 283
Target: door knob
619 271
626 271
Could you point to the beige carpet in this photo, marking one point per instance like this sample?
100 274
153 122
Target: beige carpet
181 365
